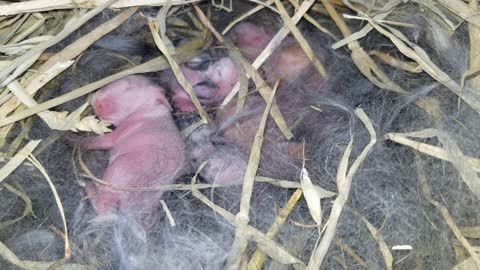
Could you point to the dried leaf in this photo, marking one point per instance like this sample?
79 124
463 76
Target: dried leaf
311 196
91 123
323 193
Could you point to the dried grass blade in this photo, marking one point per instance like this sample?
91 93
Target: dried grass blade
195 21
23 46
435 9
13 30
265 91
272 45
245 15
242 80
162 24
387 255
42 170
21 67
263 88
443 211
156 64
71 26
382 14
39 21
33 81
313 22
281 34
170 218
26 210
321 249
55 120
267 245
301 40
421 57
9 256
6 22
340 243
474 34
13 163
91 124
237 59
412 67
461 163
242 218
431 150
45 5
462 10
468 167
38 79
258 257
344 181
362 60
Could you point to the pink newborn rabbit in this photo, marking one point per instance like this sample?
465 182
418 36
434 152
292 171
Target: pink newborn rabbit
146 148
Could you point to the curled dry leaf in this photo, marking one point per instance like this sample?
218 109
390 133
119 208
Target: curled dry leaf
311 196
91 123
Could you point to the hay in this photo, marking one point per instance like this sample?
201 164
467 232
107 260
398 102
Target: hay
355 207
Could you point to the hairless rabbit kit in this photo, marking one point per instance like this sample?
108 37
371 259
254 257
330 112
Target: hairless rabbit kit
244 134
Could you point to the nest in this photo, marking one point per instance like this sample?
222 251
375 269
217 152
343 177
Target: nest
33 35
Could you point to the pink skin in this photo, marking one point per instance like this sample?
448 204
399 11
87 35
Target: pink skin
221 76
251 39
146 148
277 153
289 63
225 163
225 166
242 133
228 155
292 66
117 100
